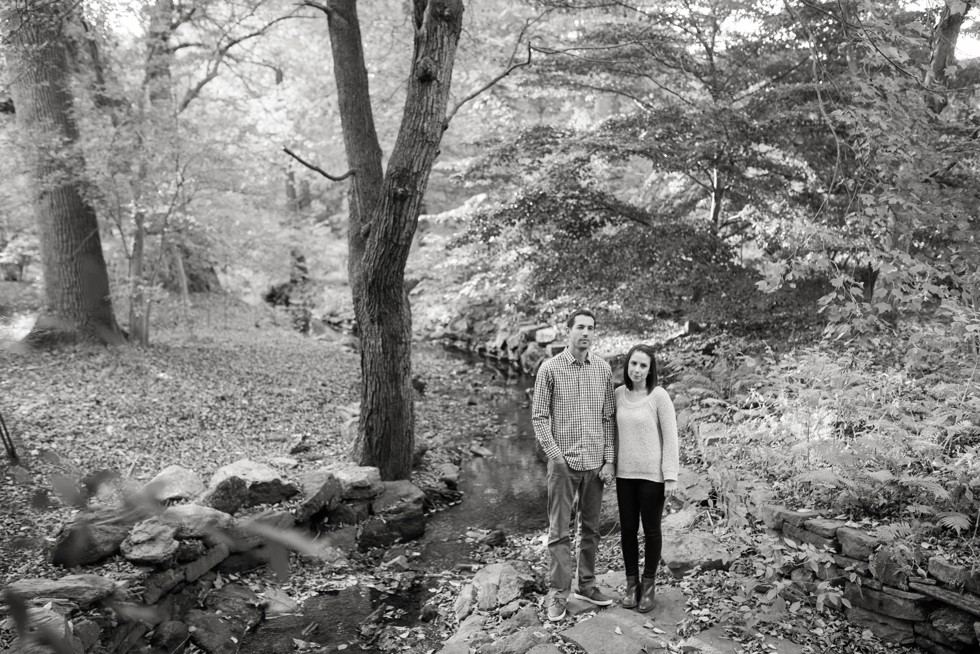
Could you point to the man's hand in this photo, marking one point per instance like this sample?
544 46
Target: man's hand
607 473
670 487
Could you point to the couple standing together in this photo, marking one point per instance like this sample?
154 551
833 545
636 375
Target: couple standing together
591 435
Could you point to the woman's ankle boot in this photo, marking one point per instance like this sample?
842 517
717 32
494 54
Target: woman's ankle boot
646 595
632 595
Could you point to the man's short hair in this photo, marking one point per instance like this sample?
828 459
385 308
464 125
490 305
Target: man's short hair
576 314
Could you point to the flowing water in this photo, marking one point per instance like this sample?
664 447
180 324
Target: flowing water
504 491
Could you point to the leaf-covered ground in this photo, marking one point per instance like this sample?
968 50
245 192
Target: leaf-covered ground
206 397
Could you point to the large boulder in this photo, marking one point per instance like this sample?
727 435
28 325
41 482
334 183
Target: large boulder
360 482
196 521
174 483
151 542
264 484
94 535
322 492
686 551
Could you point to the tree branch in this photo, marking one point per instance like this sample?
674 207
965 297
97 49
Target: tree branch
486 86
316 5
316 168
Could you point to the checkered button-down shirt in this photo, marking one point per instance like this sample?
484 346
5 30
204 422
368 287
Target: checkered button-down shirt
574 410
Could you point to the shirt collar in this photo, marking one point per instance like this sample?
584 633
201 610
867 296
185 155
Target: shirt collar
570 358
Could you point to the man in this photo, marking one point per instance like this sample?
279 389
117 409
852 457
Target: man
573 417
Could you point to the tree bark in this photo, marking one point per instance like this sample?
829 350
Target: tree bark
946 34
384 211
77 301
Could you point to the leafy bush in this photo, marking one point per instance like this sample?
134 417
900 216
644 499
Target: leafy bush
871 432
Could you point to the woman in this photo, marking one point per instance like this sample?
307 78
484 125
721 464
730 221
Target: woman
646 469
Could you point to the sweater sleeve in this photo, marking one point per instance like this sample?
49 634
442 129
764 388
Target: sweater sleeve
609 422
667 417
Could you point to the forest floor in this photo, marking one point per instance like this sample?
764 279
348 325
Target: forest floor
231 385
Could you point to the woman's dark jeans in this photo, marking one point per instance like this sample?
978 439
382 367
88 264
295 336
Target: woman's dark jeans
639 498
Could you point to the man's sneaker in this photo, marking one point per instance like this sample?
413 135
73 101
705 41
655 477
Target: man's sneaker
592 595
556 608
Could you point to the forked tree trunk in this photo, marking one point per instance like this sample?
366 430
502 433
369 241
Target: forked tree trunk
384 214
77 302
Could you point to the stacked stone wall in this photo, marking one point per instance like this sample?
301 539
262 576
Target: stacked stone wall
929 602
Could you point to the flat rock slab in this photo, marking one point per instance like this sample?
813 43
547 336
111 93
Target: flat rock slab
616 631
715 641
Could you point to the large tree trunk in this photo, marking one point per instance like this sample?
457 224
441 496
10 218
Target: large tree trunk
945 36
384 211
78 305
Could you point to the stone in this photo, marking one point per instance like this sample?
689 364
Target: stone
934 647
954 625
196 521
498 584
94 535
683 552
170 636
250 560
360 482
772 515
468 628
229 612
544 648
801 535
189 550
464 602
797 517
848 565
964 601
84 590
150 542
448 473
53 623
228 495
926 630
265 485
886 628
174 482
87 631
480 450
396 496
518 642
616 631
160 583
824 527
946 572
718 639
679 521
349 512
880 602
195 569
711 433
279 603
890 567
322 491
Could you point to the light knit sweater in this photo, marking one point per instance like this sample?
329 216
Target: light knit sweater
644 451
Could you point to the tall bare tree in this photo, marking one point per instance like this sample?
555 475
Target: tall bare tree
384 211
78 306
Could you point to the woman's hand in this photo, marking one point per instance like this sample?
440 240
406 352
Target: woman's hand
670 487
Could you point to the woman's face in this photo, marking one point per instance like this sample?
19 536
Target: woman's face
638 368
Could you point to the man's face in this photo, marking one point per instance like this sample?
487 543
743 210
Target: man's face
581 333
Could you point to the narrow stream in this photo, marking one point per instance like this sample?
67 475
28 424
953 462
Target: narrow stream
504 491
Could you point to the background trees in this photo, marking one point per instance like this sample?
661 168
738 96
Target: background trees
76 282
672 160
